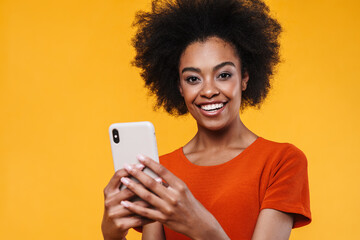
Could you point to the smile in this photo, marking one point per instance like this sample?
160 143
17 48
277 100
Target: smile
211 107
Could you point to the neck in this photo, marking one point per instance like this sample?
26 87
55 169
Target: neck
233 136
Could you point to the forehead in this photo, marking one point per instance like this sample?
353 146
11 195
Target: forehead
209 53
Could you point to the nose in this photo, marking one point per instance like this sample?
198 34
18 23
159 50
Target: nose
209 89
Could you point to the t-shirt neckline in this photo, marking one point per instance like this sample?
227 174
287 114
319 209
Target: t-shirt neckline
237 157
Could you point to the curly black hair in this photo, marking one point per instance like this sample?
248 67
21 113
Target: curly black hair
164 33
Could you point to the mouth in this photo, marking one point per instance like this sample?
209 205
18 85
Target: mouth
211 107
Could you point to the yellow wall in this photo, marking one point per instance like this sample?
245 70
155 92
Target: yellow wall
65 76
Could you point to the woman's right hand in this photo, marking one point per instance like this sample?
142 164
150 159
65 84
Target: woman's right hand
117 220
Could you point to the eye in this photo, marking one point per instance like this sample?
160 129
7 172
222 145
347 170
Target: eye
192 79
224 75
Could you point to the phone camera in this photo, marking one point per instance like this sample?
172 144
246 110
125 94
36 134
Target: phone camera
116 136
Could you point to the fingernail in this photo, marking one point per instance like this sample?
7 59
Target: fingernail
127 167
159 180
140 157
125 181
125 203
139 166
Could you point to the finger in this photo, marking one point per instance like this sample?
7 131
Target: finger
143 193
118 197
160 170
144 212
159 180
114 183
140 203
148 182
118 211
130 222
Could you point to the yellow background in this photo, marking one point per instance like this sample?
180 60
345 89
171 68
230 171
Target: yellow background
65 76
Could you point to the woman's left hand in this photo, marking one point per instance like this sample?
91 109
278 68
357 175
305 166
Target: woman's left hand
174 205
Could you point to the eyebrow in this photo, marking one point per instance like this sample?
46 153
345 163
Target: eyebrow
192 69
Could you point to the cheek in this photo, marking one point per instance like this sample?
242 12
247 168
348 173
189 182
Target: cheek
189 93
232 89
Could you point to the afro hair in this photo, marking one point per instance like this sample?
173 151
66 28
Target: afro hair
164 33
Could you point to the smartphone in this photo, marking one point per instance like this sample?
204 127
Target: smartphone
130 139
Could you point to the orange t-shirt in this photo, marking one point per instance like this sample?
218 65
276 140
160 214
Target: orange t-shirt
265 175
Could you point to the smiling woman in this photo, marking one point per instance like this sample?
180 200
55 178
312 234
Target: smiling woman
210 58
211 82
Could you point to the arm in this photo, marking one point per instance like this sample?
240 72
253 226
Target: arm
174 205
153 231
273 225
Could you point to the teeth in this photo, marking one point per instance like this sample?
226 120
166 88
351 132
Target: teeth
212 107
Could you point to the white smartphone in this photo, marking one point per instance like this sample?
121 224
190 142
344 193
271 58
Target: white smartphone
130 139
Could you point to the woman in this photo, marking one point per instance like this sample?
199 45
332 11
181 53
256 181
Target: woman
211 58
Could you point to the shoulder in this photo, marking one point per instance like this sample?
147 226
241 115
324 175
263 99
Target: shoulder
282 153
280 148
171 155
173 161
286 181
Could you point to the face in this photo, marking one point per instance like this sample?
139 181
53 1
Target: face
211 82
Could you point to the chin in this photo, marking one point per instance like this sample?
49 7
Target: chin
213 125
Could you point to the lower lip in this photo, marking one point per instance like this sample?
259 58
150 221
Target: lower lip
212 113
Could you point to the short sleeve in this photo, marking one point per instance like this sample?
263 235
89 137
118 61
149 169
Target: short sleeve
288 186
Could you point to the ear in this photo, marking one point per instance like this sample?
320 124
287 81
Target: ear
180 89
244 80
